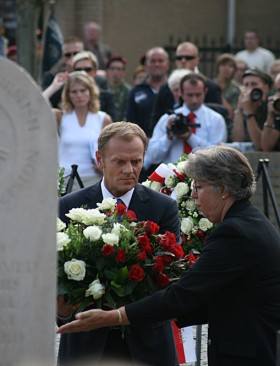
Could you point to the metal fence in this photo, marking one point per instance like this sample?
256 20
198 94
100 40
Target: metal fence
210 48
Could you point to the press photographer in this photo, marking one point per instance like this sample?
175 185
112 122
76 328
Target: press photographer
251 111
190 126
270 136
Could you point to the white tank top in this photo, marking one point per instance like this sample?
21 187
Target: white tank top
77 145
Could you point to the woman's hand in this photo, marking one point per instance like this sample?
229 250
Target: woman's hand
94 319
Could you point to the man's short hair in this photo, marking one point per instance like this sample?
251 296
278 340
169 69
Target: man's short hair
193 78
116 58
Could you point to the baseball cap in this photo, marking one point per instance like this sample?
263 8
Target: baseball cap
260 74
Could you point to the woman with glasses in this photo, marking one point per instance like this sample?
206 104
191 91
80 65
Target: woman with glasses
79 124
234 286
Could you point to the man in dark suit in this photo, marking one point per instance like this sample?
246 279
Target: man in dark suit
234 285
120 155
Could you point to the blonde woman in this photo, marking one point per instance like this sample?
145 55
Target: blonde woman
79 124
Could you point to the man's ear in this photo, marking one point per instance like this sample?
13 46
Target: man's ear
99 160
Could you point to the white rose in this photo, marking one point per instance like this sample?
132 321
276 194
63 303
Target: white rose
76 214
75 270
93 217
62 239
181 190
187 225
156 186
60 225
118 229
147 183
93 233
190 204
96 290
107 204
182 167
110 238
204 224
170 181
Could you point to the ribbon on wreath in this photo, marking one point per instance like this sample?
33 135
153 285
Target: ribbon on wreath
184 344
161 172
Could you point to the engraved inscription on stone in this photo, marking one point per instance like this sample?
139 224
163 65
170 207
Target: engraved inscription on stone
28 210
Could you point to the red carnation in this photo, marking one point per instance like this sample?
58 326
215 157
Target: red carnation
177 250
151 227
163 280
107 250
120 209
141 256
131 215
121 255
167 259
144 243
159 264
191 259
167 240
136 273
199 234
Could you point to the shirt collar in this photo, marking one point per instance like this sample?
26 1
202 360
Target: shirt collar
126 198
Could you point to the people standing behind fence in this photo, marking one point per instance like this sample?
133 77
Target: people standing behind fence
87 61
241 67
173 135
115 74
187 57
142 96
270 134
225 68
79 124
251 112
92 42
254 55
71 46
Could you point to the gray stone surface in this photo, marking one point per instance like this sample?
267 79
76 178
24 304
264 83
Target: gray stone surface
28 210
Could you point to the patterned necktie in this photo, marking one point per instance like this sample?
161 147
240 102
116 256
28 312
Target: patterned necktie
187 146
120 201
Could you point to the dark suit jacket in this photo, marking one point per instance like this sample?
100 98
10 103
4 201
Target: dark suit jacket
234 286
149 344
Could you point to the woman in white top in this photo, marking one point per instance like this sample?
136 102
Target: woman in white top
79 124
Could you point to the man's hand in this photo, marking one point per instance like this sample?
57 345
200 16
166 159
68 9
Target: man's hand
185 136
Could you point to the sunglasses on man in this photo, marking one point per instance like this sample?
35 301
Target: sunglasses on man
185 57
70 54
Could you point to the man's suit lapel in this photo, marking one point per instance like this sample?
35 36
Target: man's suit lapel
139 202
94 195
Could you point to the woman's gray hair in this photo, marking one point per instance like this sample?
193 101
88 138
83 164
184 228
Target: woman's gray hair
176 76
223 166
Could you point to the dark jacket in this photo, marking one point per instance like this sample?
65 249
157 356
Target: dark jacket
148 344
234 286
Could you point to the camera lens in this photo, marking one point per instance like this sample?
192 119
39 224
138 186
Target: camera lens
256 94
276 104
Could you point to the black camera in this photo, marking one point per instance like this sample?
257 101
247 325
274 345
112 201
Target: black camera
276 104
181 124
256 94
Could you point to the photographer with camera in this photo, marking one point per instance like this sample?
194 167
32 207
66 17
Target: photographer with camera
270 135
251 112
190 126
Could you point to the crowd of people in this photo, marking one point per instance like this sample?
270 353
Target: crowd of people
117 134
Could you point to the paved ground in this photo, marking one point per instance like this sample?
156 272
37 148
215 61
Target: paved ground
203 359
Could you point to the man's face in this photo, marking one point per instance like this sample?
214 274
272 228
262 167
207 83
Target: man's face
121 164
115 72
251 41
186 57
251 82
193 95
69 51
157 64
87 66
91 33
274 71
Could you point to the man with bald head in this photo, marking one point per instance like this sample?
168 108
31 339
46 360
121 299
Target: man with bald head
187 57
141 98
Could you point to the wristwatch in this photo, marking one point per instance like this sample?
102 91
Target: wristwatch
247 115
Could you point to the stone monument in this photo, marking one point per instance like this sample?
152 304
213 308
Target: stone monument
28 210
